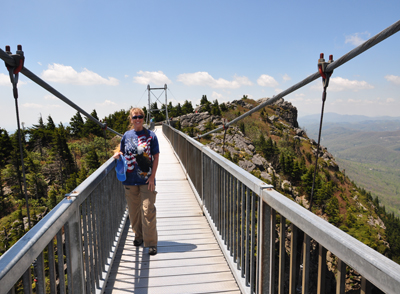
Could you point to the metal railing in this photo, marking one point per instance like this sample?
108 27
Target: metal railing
242 211
79 237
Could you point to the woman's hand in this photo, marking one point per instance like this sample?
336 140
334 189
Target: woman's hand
150 182
117 154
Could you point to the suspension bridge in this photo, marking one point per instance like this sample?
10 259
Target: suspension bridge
217 226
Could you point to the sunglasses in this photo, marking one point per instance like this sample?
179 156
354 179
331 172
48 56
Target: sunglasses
137 117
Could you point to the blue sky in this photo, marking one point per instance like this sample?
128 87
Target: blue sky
102 54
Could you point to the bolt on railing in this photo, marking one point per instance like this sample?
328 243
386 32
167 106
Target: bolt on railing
248 217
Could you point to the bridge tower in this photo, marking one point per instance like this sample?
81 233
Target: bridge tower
149 112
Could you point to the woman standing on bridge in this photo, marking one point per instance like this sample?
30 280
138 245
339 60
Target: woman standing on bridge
140 148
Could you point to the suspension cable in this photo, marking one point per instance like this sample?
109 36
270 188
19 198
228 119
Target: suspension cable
10 61
389 31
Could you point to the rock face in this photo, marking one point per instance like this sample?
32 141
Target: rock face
240 148
285 111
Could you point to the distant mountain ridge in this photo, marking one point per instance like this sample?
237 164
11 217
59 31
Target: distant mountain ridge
368 148
343 118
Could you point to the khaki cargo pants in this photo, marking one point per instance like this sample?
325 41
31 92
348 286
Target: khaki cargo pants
142 213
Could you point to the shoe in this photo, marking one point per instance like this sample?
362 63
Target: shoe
137 242
153 250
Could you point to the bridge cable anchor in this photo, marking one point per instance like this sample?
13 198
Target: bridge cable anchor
19 60
322 65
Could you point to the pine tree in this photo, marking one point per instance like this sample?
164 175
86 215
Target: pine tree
92 160
39 136
5 147
215 108
332 209
187 107
50 124
91 127
52 198
77 125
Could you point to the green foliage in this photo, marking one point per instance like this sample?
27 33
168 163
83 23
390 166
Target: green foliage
223 107
266 147
187 107
119 120
77 125
205 104
215 108
5 147
332 209
90 127
92 160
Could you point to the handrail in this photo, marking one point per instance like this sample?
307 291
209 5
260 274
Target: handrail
386 33
231 197
87 226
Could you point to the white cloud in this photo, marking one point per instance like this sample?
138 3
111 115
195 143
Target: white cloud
106 103
357 38
216 95
267 81
338 84
4 80
205 79
50 97
151 77
39 63
67 75
393 79
389 100
39 106
286 77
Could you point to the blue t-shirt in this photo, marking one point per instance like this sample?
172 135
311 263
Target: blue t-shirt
138 149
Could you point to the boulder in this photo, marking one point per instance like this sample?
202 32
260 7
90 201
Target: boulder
247 165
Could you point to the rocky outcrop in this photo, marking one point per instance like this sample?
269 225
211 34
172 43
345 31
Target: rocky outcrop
285 111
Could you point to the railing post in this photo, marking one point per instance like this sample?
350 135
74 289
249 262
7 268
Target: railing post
27 281
75 253
341 277
267 249
321 269
293 260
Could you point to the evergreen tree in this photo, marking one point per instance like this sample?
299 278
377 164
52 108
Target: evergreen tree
307 180
5 147
205 104
52 198
35 180
40 136
178 110
62 153
91 127
119 121
92 160
14 177
332 209
215 108
50 124
77 125
71 183
187 107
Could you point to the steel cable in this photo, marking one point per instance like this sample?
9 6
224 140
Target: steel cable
389 31
10 61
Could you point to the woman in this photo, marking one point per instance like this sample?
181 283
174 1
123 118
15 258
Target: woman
140 148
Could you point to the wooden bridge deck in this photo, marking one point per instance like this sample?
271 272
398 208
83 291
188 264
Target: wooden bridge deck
189 259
